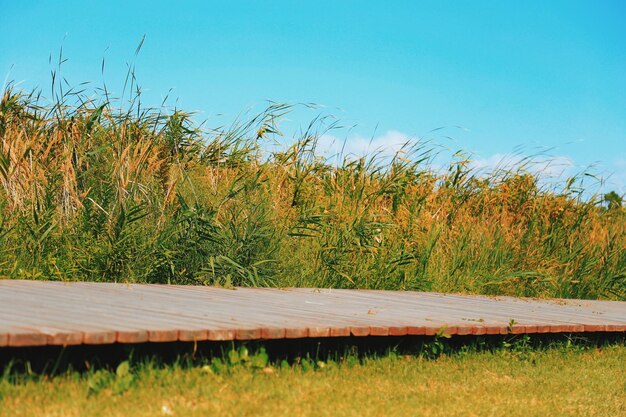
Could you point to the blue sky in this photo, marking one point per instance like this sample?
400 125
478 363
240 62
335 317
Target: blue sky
530 74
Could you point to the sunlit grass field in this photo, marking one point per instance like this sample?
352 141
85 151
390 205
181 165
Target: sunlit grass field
94 191
557 381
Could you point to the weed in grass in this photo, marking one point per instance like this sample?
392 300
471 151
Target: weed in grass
116 382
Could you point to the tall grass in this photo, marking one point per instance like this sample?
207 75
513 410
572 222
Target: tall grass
91 191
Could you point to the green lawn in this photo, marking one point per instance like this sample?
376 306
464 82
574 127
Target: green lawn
548 382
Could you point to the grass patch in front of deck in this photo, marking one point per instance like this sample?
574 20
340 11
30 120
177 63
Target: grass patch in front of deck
514 380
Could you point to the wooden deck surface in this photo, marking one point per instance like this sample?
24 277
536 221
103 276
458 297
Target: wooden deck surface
36 313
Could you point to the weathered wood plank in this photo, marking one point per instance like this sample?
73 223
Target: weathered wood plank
34 313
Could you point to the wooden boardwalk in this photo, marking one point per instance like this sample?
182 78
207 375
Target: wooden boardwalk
36 313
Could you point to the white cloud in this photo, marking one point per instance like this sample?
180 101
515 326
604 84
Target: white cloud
557 169
550 169
546 166
386 145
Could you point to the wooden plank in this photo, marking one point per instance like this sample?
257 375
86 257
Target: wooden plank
94 331
274 319
36 312
422 325
554 324
21 336
53 334
243 332
158 331
527 327
148 317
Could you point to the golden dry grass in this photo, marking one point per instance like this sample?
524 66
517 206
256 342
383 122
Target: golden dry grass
90 192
